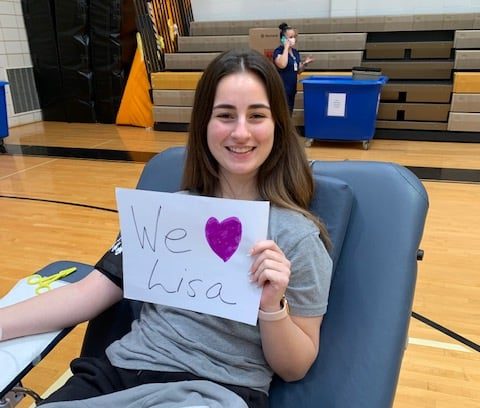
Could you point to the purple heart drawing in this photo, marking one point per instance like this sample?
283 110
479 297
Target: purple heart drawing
223 237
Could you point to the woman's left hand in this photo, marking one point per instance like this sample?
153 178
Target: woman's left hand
270 270
308 60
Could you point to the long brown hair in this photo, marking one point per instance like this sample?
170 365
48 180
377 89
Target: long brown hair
285 178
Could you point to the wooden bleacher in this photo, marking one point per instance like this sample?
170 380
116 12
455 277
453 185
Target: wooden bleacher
420 55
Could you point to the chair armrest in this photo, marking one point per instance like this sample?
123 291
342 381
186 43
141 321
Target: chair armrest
19 356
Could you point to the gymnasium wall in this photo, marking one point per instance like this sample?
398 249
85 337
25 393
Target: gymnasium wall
15 59
214 10
53 74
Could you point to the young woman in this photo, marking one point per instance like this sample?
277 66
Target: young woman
288 61
242 145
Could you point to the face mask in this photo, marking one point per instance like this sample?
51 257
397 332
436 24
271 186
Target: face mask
292 41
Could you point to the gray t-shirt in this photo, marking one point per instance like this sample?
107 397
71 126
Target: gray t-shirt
171 339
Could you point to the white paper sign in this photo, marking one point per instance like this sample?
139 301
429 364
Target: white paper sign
191 252
336 104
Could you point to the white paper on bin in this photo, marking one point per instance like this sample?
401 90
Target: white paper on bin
336 104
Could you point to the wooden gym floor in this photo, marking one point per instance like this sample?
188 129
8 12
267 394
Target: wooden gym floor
57 186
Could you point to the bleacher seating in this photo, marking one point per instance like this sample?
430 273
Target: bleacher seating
420 54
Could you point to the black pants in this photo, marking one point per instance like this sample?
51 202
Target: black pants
93 377
291 100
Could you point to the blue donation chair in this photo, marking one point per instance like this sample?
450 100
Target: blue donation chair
375 213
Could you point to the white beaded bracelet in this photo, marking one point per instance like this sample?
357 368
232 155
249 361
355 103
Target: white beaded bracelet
274 316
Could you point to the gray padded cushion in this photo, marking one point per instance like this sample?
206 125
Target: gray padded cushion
363 334
163 172
332 202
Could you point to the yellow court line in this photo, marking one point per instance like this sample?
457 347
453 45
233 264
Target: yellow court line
27 169
96 146
438 344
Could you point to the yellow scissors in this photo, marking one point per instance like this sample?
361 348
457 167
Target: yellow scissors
43 282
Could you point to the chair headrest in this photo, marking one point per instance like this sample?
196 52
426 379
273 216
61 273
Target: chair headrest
163 172
332 203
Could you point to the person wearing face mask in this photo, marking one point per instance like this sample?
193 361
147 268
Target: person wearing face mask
288 62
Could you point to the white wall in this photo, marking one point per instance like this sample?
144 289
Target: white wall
14 53
341 8
231 10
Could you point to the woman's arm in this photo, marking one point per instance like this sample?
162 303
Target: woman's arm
63 307
281 61
290 344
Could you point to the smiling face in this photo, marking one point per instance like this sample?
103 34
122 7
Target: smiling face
240 133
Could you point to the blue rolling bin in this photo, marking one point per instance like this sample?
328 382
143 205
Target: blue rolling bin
3 116
341 108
